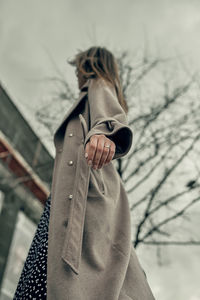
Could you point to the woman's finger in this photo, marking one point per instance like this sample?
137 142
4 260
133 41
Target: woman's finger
106 156
91 149
111 152
99 150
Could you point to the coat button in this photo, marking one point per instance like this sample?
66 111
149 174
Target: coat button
71 134
65 223
70 162
82 140
110 125
70 196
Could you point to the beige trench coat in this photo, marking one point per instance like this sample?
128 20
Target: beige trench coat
90 253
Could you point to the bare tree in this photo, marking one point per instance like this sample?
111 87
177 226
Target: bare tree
166 141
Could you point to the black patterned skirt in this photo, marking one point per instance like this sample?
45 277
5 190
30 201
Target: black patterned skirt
32 283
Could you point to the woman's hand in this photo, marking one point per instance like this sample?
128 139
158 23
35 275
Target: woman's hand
96 153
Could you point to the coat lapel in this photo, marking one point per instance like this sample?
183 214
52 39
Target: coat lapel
83 92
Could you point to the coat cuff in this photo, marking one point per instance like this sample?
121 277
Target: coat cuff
119 133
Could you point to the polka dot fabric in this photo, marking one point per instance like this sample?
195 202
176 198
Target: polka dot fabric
32 283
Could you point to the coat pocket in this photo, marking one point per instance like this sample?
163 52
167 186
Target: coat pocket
98 171
101 180
96 183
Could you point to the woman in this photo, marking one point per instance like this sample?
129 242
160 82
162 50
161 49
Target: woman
90 253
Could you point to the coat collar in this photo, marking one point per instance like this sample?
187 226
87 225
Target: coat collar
82 93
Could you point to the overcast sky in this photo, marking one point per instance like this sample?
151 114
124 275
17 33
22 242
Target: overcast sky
30 30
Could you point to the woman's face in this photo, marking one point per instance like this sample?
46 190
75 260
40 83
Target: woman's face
81 79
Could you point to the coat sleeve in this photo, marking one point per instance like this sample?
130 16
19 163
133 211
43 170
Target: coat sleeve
108 117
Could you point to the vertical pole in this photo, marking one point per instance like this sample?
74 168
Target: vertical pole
8 219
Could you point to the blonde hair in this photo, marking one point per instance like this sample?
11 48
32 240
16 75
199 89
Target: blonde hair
98 62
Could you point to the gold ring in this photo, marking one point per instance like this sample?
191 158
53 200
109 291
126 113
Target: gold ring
107 146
